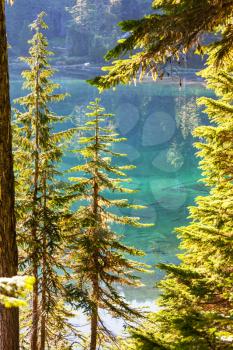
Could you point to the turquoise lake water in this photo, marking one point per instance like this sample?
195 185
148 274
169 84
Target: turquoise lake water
157 119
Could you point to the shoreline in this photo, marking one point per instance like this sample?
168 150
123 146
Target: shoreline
87 70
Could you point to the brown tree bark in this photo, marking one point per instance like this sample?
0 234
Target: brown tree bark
44 277
94 314
9 320
95 277
35 297
35 305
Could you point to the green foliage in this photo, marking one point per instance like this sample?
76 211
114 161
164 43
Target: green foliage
14 290
98 258
197 295
40 202
165 36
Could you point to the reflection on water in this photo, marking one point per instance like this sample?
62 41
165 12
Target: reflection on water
157 119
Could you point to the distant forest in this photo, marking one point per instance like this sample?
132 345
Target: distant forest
82 33
76 34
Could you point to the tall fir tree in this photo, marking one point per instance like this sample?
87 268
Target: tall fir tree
197 295
9 323
97 255
40 202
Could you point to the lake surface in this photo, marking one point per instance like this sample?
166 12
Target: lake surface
157 119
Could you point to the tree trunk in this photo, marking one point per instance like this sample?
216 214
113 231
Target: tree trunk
35 303
35 319
94 317
44 277
43 298
9 323
95 278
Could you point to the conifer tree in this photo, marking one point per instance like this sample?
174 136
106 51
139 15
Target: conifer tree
165 36
39 198
197 294
98 256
